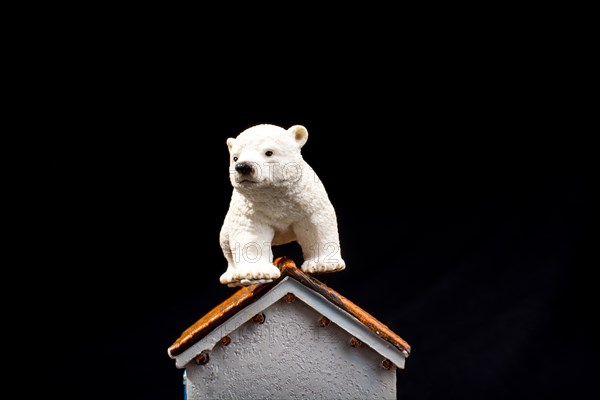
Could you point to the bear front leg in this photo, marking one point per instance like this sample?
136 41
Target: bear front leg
250 255
227 277
320 247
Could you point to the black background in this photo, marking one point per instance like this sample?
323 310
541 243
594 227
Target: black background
459 178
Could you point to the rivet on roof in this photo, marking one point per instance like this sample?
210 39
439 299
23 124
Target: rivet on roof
201 358
324 321
259 318
225 340
387 364
290 297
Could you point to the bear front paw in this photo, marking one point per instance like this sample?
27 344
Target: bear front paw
256 271
250 273
227 277
320 266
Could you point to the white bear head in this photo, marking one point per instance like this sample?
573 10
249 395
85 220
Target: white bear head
266 155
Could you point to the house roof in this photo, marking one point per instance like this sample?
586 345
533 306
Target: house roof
250 294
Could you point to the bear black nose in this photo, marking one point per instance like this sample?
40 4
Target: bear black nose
243 168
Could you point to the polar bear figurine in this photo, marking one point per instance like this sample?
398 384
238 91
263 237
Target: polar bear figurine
277 198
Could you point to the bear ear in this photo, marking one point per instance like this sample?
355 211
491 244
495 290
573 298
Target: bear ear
230 142
299 133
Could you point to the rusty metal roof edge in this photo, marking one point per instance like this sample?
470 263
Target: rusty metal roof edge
218 315
314 300
247 295
244 314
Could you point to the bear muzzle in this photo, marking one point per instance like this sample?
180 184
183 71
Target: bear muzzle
244 168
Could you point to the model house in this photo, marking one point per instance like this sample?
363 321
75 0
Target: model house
294 337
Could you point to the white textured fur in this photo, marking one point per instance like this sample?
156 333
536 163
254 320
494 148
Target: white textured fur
281 200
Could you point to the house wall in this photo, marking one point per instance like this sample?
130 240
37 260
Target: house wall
290 356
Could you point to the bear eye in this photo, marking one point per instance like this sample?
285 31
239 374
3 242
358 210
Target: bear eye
268 153
235 158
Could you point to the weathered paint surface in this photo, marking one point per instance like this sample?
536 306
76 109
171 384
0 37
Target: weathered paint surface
290 355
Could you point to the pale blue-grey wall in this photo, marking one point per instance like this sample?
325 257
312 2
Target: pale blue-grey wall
290 356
